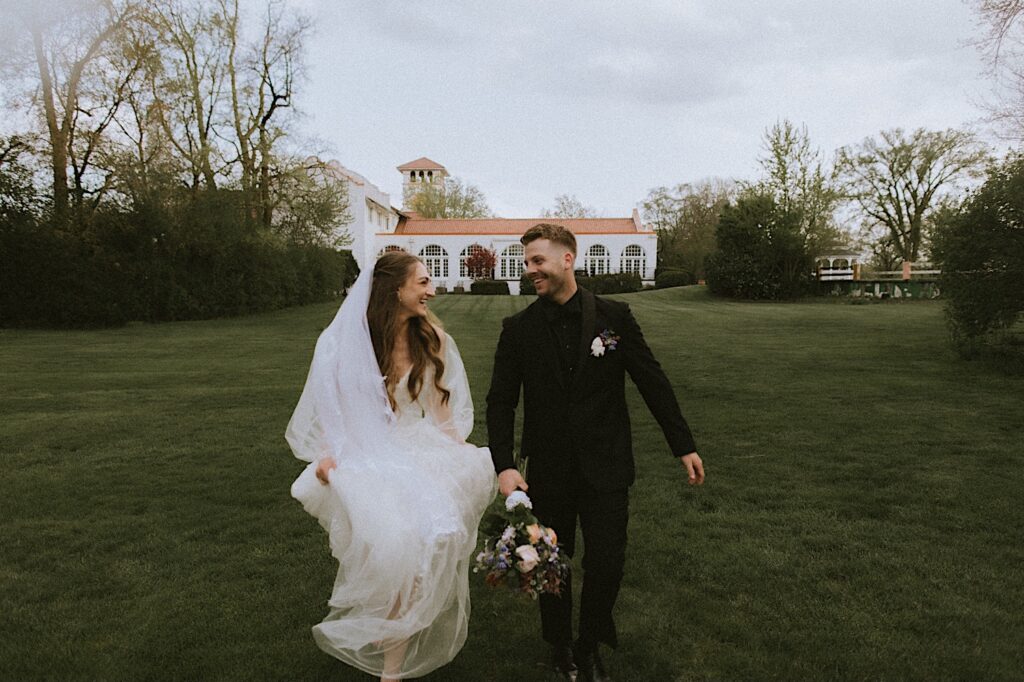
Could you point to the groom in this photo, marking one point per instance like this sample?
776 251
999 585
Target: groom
569 352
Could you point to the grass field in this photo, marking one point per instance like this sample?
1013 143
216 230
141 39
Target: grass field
862 519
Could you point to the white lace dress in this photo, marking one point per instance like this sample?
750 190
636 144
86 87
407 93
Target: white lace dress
402 526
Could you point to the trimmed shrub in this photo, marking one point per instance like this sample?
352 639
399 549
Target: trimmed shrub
526 287
617 283
489 287
672 278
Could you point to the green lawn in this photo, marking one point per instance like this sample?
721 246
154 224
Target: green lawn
862 519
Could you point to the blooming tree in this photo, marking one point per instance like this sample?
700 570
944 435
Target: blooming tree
480 263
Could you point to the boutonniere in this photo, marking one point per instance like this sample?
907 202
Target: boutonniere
606 340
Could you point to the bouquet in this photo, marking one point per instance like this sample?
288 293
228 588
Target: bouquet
520 552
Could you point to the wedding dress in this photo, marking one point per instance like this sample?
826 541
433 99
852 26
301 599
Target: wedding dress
402 506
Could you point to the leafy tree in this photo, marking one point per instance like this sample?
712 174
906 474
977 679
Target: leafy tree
980 249
568 206
796 178
762 251
17 195
450 199
311 205
897 180
684 218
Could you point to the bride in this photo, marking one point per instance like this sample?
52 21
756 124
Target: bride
382 421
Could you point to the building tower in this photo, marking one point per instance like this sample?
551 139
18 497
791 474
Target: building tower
419 174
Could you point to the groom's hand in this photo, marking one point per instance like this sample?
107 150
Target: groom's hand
509 480
694 467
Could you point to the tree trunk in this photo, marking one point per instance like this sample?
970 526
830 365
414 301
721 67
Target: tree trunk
267 211
58 137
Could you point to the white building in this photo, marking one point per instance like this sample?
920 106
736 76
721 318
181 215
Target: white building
604 245
371 212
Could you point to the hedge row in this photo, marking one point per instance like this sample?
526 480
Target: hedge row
489 287
618 283
123 267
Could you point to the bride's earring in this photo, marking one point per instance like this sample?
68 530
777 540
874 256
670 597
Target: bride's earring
399 295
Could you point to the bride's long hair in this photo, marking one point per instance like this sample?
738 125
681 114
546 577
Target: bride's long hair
389 274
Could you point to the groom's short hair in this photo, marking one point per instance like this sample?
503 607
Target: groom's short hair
553 233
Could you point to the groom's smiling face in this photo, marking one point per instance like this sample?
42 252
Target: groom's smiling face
549 267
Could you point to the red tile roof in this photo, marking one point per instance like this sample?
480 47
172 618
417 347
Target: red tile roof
514 226
422 163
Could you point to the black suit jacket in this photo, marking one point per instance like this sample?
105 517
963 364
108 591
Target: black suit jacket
582 417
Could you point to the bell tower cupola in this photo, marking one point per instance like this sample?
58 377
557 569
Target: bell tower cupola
419 174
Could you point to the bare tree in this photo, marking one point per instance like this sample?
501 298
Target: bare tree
685 218
1002 47
191 82
568 206
65 42
142 150
897 180
91 148
262 80
998 18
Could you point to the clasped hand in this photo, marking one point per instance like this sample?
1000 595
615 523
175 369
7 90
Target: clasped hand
323 469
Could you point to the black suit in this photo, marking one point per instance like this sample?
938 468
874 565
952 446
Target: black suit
576 441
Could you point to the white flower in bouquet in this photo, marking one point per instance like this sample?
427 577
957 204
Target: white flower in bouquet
597 347
518 498
529 557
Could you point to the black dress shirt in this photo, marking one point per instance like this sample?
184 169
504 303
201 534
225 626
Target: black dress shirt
564 322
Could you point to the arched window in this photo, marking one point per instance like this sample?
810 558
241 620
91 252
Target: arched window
430 176
436 260
598 261
512 265
412 176
633 260
466 253
388 249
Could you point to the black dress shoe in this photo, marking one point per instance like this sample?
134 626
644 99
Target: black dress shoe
591 669
561 657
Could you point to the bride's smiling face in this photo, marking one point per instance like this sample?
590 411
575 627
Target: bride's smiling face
414 294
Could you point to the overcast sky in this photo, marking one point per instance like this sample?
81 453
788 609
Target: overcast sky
606 100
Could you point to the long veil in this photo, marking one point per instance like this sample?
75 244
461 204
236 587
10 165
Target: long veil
344 410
